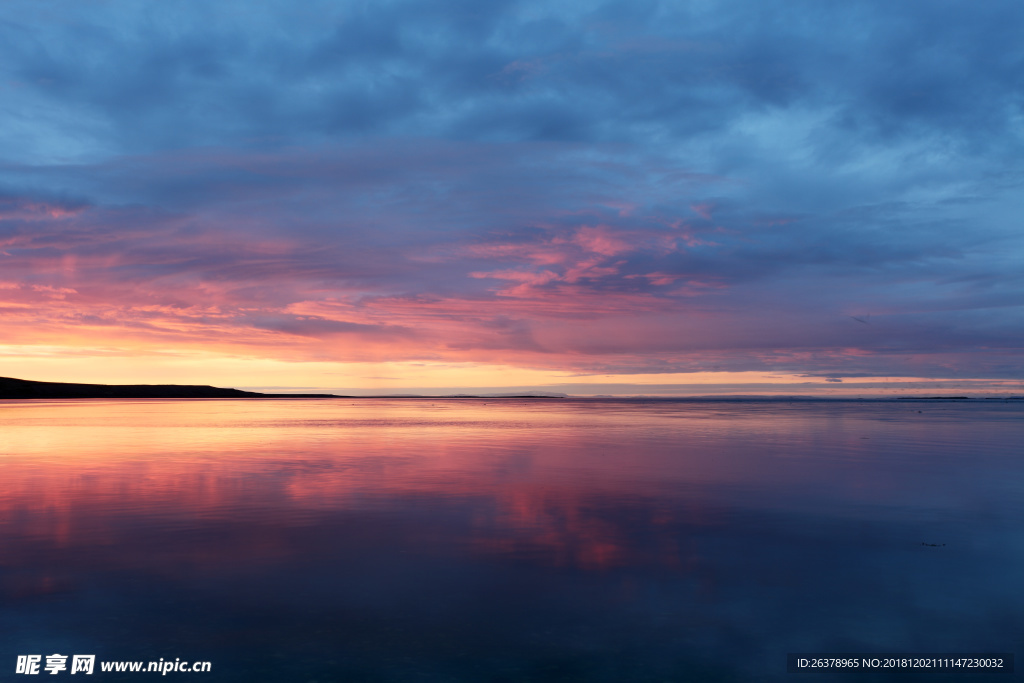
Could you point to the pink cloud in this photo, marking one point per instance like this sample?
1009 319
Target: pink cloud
703 209
601 240
526 277
590 270
541 254
117 278
529 280
21 210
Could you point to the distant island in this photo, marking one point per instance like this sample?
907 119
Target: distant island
11 388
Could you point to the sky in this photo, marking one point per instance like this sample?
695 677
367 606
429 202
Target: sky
706 196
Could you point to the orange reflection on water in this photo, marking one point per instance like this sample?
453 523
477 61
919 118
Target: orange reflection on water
562 483
518 479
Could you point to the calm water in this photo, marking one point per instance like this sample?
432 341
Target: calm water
533 540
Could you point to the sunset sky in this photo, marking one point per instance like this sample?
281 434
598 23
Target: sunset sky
588 197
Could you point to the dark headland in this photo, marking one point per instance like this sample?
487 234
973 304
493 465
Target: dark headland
11 388
932 398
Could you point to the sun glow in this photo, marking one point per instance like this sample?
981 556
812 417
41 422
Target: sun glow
120 366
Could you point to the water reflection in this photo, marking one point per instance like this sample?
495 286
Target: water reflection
474 540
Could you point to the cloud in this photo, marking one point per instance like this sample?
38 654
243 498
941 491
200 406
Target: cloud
128 79
614 186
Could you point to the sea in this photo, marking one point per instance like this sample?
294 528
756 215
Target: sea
508 540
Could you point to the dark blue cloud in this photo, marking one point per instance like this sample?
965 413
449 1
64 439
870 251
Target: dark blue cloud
130 77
